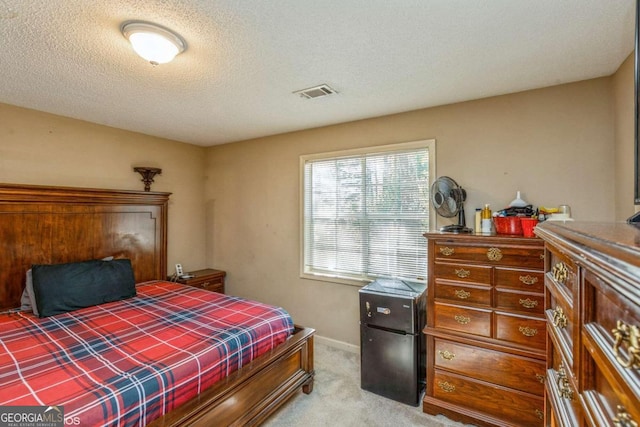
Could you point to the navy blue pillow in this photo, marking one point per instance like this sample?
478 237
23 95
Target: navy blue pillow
59 288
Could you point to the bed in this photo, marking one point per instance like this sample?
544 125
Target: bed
54 225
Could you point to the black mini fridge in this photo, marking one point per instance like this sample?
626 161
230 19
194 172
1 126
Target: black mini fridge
392 345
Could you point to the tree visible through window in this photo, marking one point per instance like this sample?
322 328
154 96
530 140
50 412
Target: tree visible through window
365 212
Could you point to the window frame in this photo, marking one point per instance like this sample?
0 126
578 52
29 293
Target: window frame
429 144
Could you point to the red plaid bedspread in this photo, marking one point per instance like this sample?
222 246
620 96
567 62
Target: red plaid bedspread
129 362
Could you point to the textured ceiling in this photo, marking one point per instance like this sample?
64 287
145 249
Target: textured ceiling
246 57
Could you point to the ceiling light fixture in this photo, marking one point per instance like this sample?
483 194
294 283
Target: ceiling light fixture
156 44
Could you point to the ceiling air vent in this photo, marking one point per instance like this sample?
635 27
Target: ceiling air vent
315 92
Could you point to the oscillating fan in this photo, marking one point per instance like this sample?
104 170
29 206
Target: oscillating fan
448 199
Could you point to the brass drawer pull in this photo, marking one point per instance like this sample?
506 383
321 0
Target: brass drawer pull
446 387
462 319
527 331
539 414
563 384
528 303
446 251
494 254
205 284
540 378
560 272
630 335
559 318
446 354
528 280
623 419
462 294
462 273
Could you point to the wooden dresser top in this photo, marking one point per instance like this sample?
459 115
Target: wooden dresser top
612 247
615 239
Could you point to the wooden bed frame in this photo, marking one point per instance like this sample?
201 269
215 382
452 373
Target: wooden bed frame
49 225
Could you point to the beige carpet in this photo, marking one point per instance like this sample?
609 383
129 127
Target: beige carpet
338 400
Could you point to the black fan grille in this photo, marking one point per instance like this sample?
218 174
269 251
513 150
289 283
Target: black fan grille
447 197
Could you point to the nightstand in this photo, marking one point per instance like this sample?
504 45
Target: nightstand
207 279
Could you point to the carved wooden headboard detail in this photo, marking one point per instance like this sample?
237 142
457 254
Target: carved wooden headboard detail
50 225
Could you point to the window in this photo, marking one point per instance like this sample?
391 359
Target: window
364 213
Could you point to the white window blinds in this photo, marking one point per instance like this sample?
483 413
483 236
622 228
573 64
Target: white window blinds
365 214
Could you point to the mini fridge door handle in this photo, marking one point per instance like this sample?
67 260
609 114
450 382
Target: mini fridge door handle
383 310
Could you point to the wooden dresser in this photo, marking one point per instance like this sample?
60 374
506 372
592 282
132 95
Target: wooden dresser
593 312
485 332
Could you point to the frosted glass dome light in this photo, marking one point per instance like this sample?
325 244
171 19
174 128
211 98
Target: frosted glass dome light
152 42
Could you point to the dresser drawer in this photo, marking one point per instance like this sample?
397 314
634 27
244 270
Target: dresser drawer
206 282
463 294
463 319
524 280
561 324
605 398
561 392
528 303
463 273
611 337
524 330
207 279
523 257
211 286
521 409
613 327
521 373
563 272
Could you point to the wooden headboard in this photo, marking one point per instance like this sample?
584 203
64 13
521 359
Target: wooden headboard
51 225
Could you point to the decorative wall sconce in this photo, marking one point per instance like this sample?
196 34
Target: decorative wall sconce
147 175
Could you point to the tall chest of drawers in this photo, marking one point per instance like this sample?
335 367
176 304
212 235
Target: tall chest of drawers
486 330
592 284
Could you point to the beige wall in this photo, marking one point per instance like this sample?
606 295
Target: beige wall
623 84
44 149
565 144
555 145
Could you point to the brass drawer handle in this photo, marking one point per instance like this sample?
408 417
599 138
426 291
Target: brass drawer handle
540 378
623 419
205 284
462 294
542 256
528 280
528 303
446 251
563 384
446 354
630 335
446 387
559 318
560 272
494 254
462 319
539 414
527 331
462 273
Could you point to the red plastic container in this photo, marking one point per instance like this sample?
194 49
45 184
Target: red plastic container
508 225
528 224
